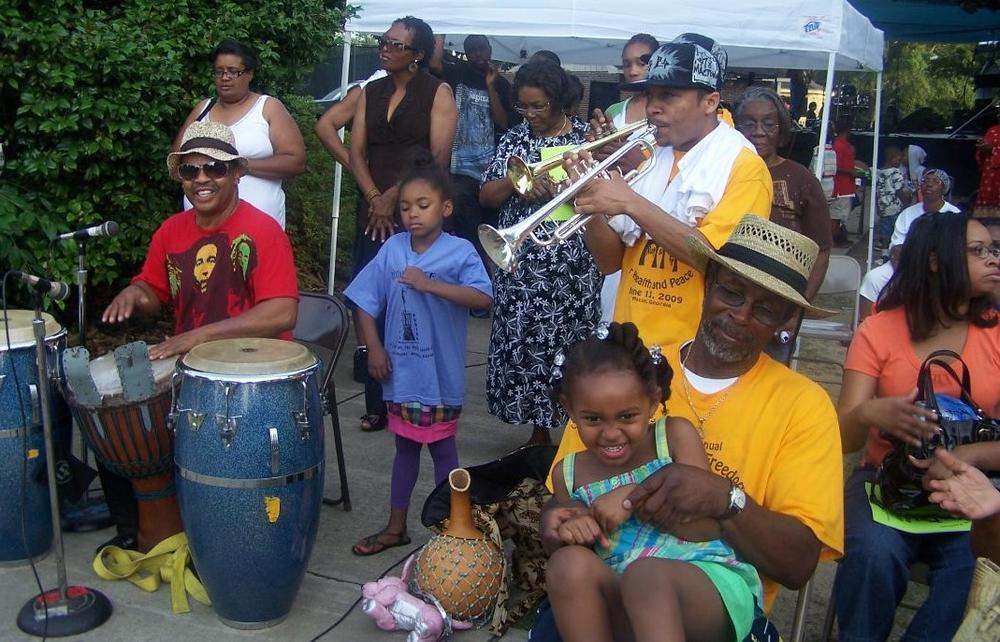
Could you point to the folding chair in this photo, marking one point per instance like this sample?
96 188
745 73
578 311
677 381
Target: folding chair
843 276
322 326
918 574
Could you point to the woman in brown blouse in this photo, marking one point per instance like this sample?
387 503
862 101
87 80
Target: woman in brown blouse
399 118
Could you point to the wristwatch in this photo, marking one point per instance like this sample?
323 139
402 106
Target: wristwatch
737 501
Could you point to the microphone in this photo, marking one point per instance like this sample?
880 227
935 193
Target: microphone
107 228
56 290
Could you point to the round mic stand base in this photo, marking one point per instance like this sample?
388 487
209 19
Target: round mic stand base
82 610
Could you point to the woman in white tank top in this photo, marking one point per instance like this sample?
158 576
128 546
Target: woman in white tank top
266 135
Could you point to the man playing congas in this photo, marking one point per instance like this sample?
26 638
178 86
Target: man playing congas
226 267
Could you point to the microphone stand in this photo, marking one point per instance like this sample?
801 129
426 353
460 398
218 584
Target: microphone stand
66 610
81 293
97 516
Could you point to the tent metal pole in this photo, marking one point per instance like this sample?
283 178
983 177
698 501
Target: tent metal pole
338 171
872 205
824 123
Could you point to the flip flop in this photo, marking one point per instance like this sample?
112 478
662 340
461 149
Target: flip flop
373 423
375 546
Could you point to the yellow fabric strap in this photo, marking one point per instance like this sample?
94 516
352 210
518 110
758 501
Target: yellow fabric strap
166 561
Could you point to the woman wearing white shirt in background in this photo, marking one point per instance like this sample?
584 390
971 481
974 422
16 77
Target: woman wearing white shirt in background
266 135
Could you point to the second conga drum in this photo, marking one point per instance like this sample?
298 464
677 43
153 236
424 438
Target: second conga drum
249 457
25 518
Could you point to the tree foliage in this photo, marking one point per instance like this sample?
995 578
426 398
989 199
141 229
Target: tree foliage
938 76
91 95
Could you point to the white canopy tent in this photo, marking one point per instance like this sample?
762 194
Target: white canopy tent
765 34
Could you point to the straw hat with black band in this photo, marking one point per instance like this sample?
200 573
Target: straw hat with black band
766 254
211 139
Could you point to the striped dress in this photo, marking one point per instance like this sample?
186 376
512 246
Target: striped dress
737 581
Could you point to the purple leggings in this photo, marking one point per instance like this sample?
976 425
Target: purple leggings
406 467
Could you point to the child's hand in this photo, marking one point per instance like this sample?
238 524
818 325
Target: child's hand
583 531
379 366
416 279
552 519
607 510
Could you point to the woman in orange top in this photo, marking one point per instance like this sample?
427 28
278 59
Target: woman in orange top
939 298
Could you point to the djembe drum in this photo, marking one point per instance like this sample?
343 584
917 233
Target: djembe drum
121 402
250 472
25 526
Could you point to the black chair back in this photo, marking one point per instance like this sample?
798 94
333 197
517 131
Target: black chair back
322 326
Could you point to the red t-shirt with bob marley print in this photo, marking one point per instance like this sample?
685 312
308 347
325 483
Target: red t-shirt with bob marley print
212 275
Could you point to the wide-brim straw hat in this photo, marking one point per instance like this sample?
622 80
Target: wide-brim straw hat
214 140
767 254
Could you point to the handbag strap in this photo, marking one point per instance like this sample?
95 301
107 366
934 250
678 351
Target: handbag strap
208 108
925 385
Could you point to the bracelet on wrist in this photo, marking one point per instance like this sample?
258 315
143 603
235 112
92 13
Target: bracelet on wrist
372 193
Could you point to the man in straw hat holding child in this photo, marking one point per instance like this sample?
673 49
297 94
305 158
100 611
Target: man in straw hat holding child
775 468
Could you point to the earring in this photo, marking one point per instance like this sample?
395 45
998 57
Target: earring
413 66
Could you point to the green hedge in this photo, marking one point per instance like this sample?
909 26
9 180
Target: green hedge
309 206
91 95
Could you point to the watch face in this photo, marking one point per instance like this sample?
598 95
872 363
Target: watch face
738 500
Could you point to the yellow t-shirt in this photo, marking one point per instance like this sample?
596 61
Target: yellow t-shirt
661 295
775 435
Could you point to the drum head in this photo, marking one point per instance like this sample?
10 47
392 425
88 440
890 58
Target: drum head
19 323
249 357
109 383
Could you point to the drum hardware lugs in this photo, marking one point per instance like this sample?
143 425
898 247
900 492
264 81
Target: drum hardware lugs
36 403
227 425
301 417
275 457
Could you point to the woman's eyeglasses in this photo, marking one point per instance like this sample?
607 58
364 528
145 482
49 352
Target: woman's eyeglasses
393 45
750 126
532 111
983 252
212 169
228 74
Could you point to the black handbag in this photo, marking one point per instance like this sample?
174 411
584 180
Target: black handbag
960 422
361 365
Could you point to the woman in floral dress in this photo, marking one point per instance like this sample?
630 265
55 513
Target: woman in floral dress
552 299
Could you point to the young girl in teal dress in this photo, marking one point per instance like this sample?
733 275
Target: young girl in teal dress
615 577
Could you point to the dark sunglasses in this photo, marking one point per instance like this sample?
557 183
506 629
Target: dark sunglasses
395 45
212 169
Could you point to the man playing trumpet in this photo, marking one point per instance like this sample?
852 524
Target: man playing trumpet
706 176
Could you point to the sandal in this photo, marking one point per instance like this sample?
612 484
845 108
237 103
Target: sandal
375 544
373 423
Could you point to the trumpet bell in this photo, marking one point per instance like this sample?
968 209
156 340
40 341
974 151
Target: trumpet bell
520 174
499 245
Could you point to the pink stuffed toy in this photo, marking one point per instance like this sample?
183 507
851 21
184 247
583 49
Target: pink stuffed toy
393 608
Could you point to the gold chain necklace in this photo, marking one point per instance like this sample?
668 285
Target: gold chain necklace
687 396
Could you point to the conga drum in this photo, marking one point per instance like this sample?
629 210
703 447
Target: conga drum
25 516
121 402
249 456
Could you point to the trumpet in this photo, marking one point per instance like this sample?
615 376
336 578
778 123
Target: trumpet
501 245
523 174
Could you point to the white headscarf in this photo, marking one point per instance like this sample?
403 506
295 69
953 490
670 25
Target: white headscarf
915 161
